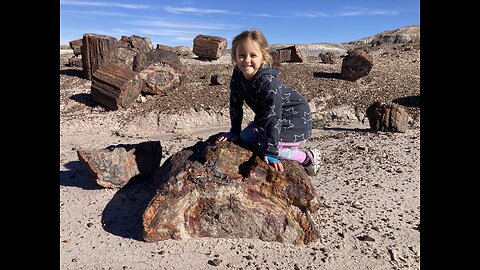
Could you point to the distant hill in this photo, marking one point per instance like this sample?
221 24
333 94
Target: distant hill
407 34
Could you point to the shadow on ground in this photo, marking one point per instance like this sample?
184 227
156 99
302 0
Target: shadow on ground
122 216
85 99
77 176
327 75
72 72
410 101
364 130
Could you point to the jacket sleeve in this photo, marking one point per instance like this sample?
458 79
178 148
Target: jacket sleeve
236 106
271 120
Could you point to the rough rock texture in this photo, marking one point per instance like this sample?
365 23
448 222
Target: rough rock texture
76 46
115 86
223 190
329 57
116 165
209 47
356 64
387 117
407 34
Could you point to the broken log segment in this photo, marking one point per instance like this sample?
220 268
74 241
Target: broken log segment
387 117
116 165
115 86
356 64
209 47
97 50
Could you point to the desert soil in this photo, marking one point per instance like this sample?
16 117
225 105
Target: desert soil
369 181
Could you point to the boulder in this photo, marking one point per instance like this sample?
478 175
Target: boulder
226 191
387 117
116 165
356 64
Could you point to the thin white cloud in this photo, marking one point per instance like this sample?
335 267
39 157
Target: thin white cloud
267 15
98 13
348 12
310 14
174 24
104 4
168 32
365 12
197 11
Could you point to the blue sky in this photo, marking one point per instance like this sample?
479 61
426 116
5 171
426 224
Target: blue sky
177 23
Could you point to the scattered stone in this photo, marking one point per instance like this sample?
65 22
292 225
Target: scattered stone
215 262
366 237
387 117
209 47
356 64
114 166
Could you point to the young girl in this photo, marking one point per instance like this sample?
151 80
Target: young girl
282 122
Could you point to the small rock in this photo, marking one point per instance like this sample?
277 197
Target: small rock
215 262
366 237
356 204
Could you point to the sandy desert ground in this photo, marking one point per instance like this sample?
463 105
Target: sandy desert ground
369 181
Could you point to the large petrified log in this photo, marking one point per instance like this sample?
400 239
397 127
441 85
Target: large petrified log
209 47
116 165
356 64
387 117
97 50
224 190
115 86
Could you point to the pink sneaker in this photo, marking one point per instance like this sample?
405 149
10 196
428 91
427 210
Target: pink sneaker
314 155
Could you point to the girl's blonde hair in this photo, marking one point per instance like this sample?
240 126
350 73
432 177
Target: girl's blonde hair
257 36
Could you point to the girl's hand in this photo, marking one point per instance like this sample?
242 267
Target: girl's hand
227 136
275 163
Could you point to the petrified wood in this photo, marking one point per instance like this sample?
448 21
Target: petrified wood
97 50
115 86
116 165
224 190
209 47
356 64
76 46
161 71
387 117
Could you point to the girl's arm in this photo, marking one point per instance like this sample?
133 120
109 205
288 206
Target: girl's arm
236 106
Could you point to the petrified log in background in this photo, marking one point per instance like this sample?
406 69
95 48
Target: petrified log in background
116 165
76 46
209 47
129 47
115 86
223 190
97 50
356 64
328 57
387 117
280 56
161 71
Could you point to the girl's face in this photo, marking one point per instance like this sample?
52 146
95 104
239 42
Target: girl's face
249 58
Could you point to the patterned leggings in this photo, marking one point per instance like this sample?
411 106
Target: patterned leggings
287 150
